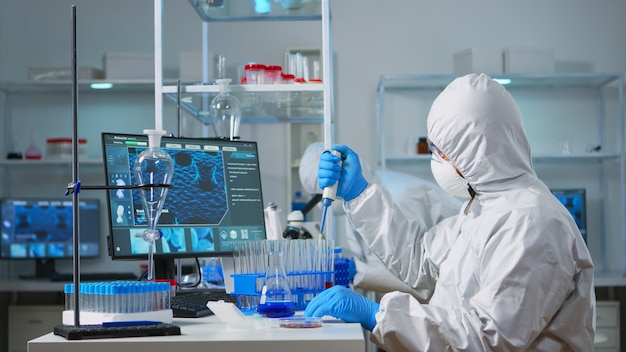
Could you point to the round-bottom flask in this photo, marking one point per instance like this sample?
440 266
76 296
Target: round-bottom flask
276 299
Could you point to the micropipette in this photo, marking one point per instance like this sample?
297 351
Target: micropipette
329 193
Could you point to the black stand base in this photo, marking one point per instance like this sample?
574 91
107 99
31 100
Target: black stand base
84 332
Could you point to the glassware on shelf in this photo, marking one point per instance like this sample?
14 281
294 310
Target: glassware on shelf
14 152
225 112
32 152
276 299
153 167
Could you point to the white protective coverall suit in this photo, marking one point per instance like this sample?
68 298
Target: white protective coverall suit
426 202
511 272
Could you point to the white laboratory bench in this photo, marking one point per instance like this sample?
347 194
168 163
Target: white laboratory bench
210 334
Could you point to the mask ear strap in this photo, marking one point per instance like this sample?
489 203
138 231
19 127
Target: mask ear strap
472 194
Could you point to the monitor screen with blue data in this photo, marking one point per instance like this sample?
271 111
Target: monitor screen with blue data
575 202
41 229
215 199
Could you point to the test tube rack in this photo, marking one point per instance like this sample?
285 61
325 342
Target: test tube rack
119 301
248 285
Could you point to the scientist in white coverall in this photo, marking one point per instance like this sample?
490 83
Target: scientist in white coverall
510 272
424 201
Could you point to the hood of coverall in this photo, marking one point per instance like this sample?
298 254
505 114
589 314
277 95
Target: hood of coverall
478 125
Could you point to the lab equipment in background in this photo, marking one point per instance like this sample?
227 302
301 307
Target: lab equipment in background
39 229
155 167
61 148
212 273
574 199
220 67
273 74
422 146
273 225
262 6
276 301
329 194
14 152
297 227
255 73
32 152
215 3
298 202
225 112
292 4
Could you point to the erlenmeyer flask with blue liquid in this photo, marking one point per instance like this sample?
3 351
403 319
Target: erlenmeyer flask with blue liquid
276 300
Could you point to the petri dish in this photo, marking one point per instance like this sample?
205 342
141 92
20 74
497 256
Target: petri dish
300 322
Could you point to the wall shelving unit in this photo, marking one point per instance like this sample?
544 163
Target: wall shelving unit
308 105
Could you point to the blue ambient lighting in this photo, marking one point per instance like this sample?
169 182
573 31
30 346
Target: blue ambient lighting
502 81
103 85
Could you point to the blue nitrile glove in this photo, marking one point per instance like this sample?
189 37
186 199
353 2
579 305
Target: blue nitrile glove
350 175
345 304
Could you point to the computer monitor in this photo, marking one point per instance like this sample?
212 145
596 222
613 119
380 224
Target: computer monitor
214 201
41 229
574 201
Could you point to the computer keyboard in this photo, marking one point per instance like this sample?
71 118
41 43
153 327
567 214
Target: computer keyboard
193 304
67 277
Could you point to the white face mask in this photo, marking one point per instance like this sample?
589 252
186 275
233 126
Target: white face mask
446 176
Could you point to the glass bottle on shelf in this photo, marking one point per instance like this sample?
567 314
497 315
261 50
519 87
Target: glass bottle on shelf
276 299
153 167
225 112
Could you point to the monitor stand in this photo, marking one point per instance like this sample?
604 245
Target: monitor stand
44 269
164 268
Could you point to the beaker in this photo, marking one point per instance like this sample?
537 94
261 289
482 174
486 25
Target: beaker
276 297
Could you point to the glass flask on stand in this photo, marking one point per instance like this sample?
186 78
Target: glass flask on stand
276 300
155 167
225 112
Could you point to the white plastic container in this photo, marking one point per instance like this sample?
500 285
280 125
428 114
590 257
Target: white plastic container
126 65
61 148
479 60
273 74
528 60
255 73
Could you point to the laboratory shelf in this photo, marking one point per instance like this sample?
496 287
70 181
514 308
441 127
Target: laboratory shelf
534 81
261 103
48 162
262 10
248 88
84 86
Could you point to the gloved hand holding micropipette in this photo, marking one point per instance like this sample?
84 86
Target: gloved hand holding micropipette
342 173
